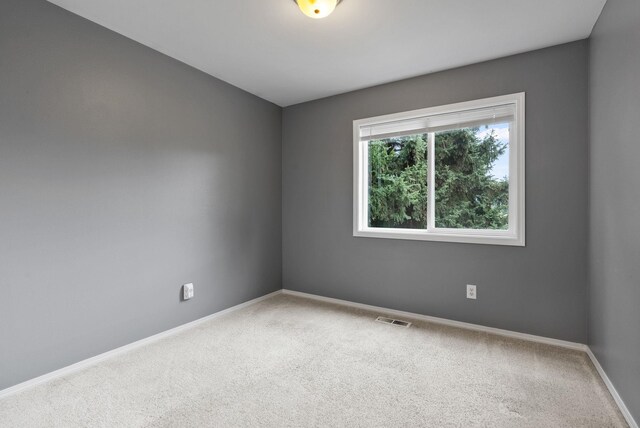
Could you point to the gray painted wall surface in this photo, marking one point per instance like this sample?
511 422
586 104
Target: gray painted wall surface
614 315
123 174
539 289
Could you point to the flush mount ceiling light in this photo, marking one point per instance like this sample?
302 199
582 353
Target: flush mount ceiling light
317 8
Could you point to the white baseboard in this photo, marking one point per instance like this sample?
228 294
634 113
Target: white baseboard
475 327
612 389
126 348
444 321
400 314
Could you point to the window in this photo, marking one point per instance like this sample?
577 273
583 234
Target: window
452 173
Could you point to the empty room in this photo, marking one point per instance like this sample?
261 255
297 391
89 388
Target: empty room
319 213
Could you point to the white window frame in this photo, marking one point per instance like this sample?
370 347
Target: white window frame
514 236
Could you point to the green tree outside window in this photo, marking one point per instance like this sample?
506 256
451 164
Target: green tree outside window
467 194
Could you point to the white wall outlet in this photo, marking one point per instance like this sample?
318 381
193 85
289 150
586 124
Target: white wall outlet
471 292
187 291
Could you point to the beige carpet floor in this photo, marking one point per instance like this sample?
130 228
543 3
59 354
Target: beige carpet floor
292 362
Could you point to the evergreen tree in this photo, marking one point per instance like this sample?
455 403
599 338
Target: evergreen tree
467 195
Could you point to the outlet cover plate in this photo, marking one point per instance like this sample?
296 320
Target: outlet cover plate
187 291
471 292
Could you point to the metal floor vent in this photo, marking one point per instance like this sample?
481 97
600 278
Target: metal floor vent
391 321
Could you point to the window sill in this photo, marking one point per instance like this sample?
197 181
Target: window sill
472 237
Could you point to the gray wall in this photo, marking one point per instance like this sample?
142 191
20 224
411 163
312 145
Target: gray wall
614 314
539 289
123 175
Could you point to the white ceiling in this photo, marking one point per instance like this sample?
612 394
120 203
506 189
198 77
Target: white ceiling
269 48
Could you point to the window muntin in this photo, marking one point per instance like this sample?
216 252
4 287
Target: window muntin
451 173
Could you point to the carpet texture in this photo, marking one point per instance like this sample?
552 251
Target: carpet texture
293 362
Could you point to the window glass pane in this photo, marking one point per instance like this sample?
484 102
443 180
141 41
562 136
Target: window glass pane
398 182
472 178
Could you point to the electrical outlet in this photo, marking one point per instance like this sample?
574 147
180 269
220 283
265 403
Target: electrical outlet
187 291
471 292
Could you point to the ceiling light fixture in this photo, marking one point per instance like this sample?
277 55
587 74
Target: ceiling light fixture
317 8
